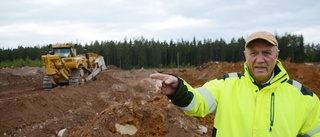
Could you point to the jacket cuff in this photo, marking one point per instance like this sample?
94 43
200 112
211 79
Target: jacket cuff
181 97
178 90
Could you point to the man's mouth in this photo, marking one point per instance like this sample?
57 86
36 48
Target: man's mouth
260 67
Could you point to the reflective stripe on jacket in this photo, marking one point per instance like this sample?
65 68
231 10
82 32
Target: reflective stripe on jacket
282 108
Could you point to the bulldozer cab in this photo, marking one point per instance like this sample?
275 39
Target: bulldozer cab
63 52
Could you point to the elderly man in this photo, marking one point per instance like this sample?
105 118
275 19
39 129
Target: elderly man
262 101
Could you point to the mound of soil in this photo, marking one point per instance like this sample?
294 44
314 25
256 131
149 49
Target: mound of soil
118 103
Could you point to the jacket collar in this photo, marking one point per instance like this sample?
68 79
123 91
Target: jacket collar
280 75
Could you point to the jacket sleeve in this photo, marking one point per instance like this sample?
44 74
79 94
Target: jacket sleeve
194 101
311 127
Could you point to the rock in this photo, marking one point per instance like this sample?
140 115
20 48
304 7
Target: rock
60 133
126 129
202 129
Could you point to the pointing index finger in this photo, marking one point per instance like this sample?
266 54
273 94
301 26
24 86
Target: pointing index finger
159 76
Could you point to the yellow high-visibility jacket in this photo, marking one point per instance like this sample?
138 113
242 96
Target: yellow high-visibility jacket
243 108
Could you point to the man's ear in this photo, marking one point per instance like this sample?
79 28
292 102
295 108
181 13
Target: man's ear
278 53
244 54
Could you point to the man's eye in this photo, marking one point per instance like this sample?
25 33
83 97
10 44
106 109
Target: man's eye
253 53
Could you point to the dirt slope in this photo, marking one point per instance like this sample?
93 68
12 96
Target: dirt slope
118 103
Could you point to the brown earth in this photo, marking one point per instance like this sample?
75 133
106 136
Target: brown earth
118 101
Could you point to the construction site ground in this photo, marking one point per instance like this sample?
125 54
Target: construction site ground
118 103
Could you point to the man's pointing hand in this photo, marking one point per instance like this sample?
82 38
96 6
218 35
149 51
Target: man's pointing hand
166 84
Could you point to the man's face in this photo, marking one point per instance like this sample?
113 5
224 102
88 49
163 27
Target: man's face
261 57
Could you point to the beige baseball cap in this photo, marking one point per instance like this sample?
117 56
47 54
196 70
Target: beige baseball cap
262 35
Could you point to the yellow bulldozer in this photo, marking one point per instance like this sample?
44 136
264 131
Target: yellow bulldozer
65 67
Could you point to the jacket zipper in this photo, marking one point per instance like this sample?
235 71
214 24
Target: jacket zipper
272 111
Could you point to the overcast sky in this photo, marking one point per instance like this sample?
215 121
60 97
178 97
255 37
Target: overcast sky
41 22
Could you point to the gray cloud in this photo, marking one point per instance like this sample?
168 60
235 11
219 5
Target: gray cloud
40 22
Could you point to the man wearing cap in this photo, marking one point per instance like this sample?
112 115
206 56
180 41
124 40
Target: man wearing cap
262 101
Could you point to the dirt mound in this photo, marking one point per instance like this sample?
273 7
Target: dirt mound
130 100
118 103
19 75
306 73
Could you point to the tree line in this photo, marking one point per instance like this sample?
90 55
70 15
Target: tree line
141 52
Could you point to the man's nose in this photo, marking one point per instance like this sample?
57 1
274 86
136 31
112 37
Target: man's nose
260 58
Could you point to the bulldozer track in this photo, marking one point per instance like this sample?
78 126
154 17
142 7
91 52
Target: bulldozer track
46 83
75 76
78 76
